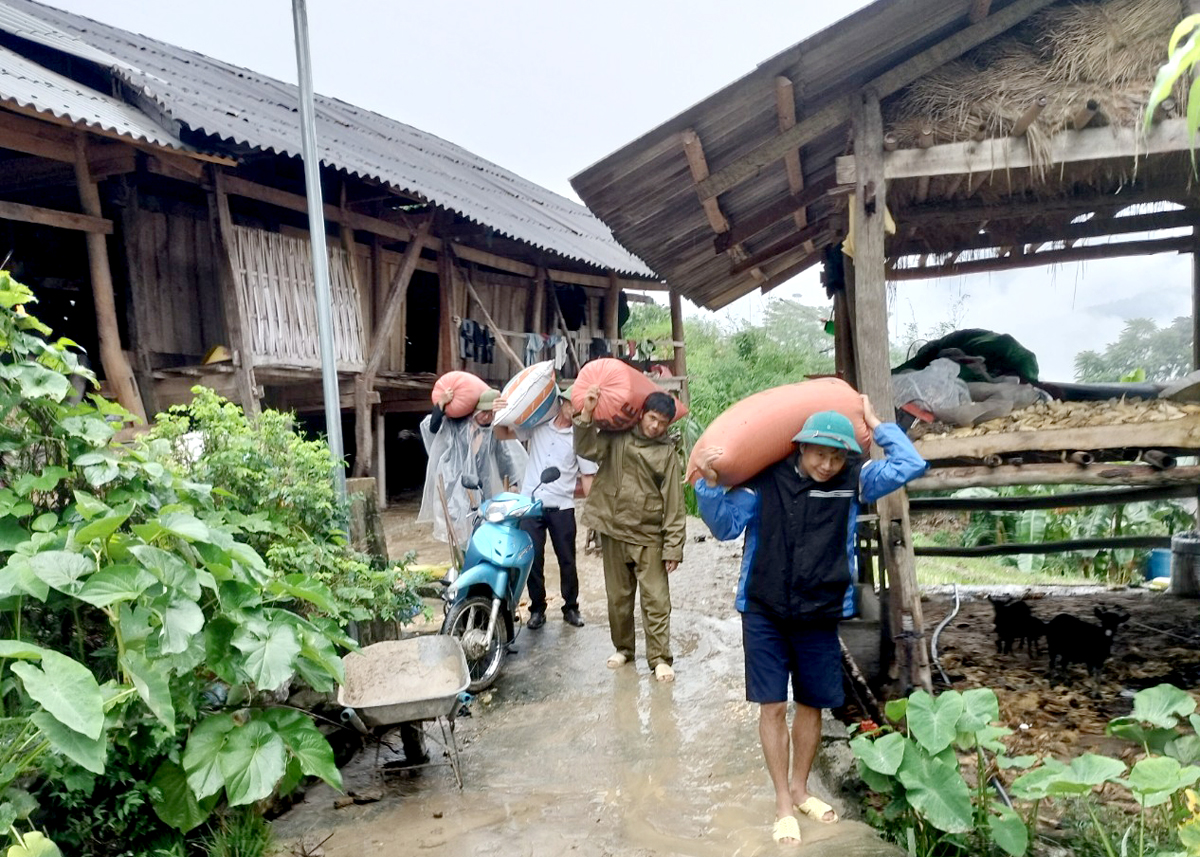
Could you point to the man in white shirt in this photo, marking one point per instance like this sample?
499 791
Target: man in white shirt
552 444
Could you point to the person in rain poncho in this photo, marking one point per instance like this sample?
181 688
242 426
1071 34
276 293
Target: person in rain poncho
464 447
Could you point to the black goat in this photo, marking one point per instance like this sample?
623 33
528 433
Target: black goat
1015 621
1069 639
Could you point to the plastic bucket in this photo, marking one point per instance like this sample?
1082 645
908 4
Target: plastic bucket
1185 565
1158 563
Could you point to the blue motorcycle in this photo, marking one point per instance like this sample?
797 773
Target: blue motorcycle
481 602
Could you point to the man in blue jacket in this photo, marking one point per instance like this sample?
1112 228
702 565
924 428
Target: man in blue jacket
796 583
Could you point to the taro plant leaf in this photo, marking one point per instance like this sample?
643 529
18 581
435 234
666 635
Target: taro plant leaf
935 789
1131 729
895 709
980 708
174 803
292 775
21 650
121 582
932 721
185 525
1084 773
1162 705
1185 748
34 844
11 534
1153 780
37 381
102 528
882 755
67 689
1008 830
269 650
181 621
988 738
89 506
306 744
169 568
61 569
877 782
253 760
153 685
1035 784
201 756
45 480
306 589
84 751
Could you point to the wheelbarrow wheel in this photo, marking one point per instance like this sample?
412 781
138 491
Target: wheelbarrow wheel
468 621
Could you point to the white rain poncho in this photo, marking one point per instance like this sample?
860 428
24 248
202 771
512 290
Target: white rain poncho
463 447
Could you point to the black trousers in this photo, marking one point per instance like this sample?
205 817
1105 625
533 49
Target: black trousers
560 523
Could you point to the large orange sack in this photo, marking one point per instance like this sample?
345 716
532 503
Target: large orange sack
757 431
623 390
467 390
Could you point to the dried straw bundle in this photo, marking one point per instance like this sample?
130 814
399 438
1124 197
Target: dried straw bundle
1107 52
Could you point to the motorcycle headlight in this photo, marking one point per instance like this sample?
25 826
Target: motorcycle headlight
497 512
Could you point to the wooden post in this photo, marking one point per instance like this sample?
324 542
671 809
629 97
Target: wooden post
117 370
364 441
874 375
364 383
133 224
612 308
1196 298
535 318
447 335
236 316
380 460
679 363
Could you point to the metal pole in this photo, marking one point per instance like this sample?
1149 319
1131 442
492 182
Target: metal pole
320 256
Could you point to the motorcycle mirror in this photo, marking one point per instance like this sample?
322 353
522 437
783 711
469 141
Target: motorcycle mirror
550 474
471 483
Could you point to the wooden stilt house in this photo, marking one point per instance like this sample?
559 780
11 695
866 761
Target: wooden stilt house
996 134
154 199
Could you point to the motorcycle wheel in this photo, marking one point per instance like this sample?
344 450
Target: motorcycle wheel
467 621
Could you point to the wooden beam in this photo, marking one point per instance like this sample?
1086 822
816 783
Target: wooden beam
232 300
818 233
744 229
117 371
693 150
840 111
1008 153
785 109
134 226
501 341
1096 227
387 229
52 217
447 312
1071 499
941 213
1116 250
1182 433
952 478
396 294
698 166
1010 549
364 437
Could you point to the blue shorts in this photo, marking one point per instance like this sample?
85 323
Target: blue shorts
809 655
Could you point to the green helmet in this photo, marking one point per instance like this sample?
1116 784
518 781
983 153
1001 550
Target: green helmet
829 428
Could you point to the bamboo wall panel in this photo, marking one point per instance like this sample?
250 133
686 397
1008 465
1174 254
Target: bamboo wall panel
274 273
173 255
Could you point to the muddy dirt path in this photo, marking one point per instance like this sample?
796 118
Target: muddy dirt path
565 756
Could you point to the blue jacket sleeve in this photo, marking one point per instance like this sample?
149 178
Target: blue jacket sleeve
901 464
726 512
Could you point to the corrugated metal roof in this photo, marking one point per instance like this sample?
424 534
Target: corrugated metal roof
244 107
26 84
646 193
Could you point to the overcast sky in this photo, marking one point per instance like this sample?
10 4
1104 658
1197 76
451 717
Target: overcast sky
546 88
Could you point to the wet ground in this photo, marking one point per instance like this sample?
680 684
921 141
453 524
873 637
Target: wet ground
564 756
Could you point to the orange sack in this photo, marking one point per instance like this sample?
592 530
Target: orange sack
623 390
467 389
757 431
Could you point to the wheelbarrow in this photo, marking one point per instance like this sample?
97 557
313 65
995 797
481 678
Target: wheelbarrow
403 683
